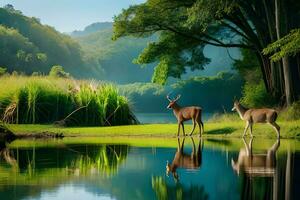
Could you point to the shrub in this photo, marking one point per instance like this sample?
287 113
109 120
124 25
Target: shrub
58 71
292 112
255 95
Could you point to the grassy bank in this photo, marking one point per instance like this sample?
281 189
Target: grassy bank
290 129
43 99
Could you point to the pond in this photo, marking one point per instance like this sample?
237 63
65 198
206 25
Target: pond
137 168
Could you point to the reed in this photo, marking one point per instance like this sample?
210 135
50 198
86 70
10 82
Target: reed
43 100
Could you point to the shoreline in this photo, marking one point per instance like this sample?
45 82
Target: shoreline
233 129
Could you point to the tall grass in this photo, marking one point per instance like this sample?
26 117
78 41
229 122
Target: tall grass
31 100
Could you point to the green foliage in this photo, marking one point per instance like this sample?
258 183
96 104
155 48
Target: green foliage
177 48
184 28
46 100
292 112
248 66
289 45
254 91
58 71
2 71
212 93
255 95
26 45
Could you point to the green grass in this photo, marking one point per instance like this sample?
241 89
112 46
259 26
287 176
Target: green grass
43 99
289 129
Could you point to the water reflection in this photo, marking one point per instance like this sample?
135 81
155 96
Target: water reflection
35 171
262 177
184 160
256 164
261 169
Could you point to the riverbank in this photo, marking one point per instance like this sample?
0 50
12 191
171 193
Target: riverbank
289 129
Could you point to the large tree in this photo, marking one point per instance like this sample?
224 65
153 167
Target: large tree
185 27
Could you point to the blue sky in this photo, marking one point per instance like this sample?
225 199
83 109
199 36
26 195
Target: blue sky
69 15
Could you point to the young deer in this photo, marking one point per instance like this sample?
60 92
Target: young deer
251 116
183 160
186 113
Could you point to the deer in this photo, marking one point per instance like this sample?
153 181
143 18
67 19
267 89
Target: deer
183 160
262 164
186 113
251 116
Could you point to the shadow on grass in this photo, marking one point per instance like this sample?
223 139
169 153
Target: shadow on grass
227 130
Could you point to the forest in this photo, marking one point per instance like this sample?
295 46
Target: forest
150 99
267 31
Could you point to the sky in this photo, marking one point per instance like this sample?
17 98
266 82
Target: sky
70 15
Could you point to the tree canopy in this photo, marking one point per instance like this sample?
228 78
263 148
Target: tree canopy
185 27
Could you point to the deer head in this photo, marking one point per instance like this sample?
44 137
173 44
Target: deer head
171 169
172 102
235 105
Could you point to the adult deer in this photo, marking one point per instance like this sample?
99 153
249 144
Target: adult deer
186 113
258 164
251 116
183 160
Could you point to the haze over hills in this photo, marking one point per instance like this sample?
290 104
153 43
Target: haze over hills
115 57
90 53
28 46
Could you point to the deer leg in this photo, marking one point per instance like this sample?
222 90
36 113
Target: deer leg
199 124
194 125
194 146
276 127
250 125
202 127
178 132
246 128
183 128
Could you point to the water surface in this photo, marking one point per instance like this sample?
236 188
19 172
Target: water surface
181 169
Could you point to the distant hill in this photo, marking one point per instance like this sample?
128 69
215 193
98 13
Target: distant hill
28 46
92 28
115 57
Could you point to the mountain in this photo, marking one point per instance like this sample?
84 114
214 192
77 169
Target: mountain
26 45
115 57
98 26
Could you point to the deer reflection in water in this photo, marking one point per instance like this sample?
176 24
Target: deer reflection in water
256 164
258 170
184 160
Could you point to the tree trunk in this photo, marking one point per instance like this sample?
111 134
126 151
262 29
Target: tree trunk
285 62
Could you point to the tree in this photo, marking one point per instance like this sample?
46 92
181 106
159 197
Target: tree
58 71
187 26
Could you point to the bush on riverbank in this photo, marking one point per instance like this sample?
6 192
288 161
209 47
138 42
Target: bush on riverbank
33 100
292 112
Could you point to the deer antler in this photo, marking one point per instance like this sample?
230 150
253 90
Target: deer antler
178 97
168 96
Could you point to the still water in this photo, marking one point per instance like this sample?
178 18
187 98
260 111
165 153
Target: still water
170 168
